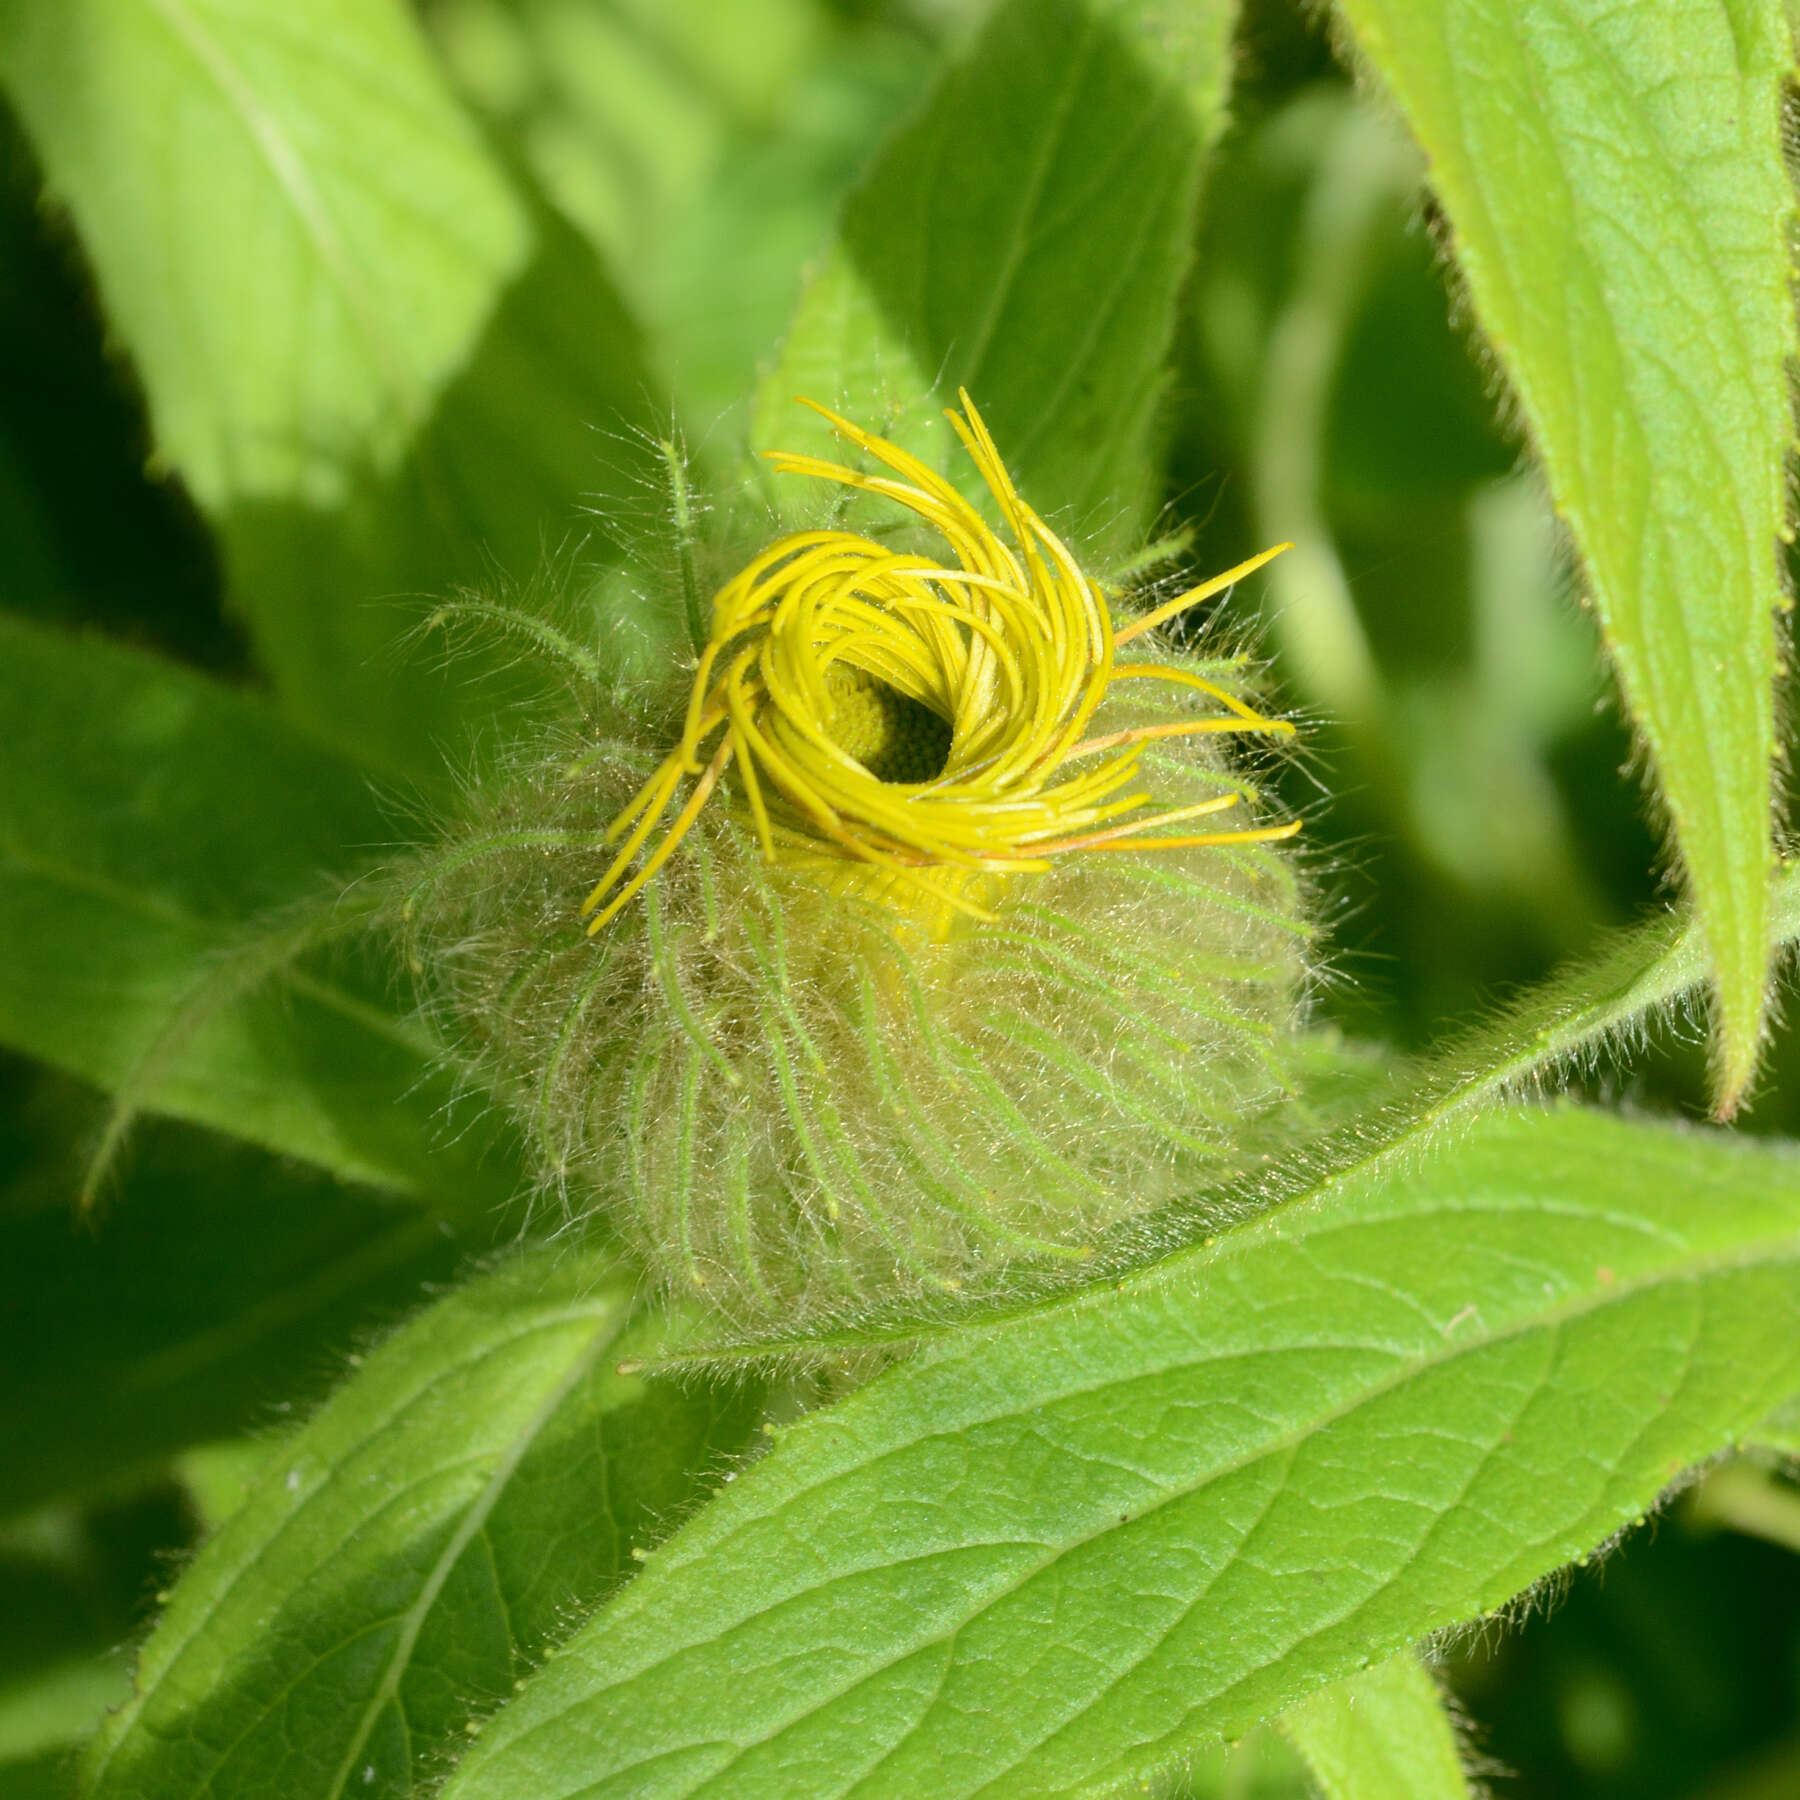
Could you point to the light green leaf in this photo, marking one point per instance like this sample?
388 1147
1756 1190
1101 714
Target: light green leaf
400 1563
146 817
216 1478
1345 1424
294 227
1381 1735
1025 238
530 472
1261 1766
382 377
1613 181
1781 1429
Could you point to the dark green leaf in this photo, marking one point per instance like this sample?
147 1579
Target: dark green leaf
58 1670
146 818
215 1283
47 1777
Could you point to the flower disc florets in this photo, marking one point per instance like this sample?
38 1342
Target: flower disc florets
907 964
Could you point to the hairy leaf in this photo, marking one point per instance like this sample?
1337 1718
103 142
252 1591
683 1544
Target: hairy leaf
146 818
1614 187
1052 1555
1025 238
215 1283
1381 1735
402 1560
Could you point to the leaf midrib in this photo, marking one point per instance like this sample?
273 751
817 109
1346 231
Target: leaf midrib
177 1653
287 168
1761 1252
412 1621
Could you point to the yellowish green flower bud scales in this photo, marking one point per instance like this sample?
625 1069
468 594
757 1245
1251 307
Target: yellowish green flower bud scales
928 974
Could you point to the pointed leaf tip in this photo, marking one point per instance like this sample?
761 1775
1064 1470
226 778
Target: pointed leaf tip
1650 365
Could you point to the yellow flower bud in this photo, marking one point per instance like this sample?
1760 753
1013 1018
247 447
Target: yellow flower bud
937 938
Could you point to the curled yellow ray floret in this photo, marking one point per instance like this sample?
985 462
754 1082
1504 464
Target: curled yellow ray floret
897 712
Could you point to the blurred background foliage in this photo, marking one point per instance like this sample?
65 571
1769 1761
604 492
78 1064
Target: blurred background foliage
1472 818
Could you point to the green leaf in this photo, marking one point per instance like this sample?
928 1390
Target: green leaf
686 139
1745 1498
215 1478
56 1707
380 375
39 1778
1343 1425
66 1604
1260 1766
294 227
217 1282
1614 185
529 471
402 1560
146 817
1781 1429
1381 1735
1026 238
71 1588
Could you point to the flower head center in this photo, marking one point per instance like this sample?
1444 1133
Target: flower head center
930 719
895 737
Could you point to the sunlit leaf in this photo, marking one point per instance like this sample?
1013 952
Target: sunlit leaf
1613 185
1381 1735
1334 1430
294 228
1025 237
1352 1421
380 375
